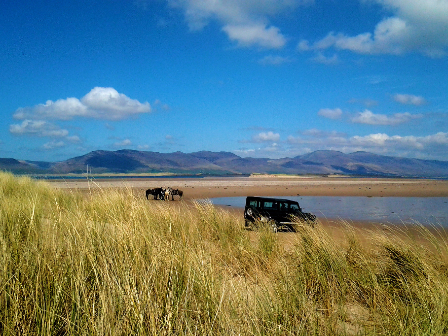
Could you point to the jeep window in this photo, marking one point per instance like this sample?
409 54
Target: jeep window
269 205
253 203
284 206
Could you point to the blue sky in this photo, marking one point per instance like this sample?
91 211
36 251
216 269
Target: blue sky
260 78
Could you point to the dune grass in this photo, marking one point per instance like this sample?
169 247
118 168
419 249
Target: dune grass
112 263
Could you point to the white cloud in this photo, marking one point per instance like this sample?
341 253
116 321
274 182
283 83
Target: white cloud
255 34
409 99
107 103
330 113
54 144
416 25
440 138
401 142
273 150
62 109
245 22
144 147
245 151
274 147
378 139
266 137
73 138
159 105
38 128
303 45
123 143
434 146
99 103
321 58
370 118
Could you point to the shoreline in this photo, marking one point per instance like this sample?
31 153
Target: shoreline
206 188
201 188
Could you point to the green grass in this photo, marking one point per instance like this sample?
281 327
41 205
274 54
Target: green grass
111 263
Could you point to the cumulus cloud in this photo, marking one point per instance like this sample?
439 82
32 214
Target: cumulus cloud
274 150
268 143
434 146
143 147
53 145
397 142
245 22
303 45
330 113
321 58
62 109
408 99
415 25
266 137
73 138
370 118
123 143
255 34
39 128
99 103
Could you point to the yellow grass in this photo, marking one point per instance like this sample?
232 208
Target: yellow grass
112 263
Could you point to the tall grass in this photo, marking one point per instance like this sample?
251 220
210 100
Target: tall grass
113 263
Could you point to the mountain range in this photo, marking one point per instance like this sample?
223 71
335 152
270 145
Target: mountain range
323 162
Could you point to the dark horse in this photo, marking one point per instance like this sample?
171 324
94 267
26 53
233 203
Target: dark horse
176 192
157 192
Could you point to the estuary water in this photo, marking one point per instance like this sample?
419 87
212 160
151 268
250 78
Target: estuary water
408 210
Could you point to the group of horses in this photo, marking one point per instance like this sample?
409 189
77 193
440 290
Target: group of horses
164 193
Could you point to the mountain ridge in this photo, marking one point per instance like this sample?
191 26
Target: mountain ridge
322 162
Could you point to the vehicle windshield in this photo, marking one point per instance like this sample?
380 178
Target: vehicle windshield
295 207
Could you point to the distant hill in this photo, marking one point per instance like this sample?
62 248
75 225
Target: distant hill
221 163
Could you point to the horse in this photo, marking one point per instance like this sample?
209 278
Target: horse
168 192
157 192
176 192
149 192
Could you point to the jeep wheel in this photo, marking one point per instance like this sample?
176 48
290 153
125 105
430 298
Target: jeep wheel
249 212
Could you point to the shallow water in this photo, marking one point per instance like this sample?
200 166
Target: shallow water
423 210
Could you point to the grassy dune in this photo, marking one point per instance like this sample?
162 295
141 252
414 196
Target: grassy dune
111 263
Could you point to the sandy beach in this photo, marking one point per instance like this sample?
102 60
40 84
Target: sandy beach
203 188
200 188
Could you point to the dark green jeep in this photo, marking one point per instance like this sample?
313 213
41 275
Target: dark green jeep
276 212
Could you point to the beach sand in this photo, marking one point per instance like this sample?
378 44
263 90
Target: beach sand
200 188
283 186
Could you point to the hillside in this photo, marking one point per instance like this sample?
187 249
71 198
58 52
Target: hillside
222 163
